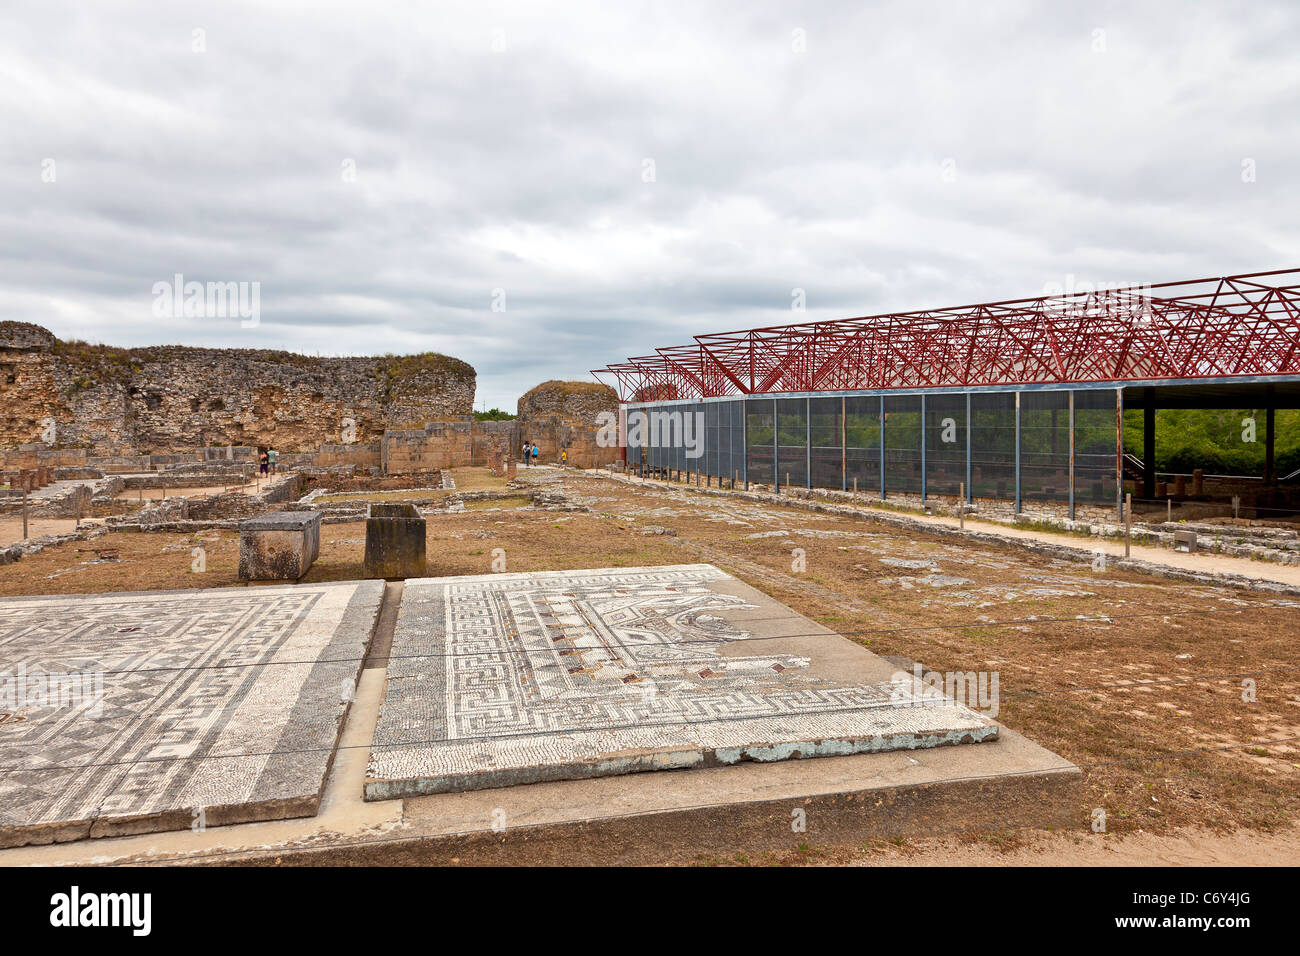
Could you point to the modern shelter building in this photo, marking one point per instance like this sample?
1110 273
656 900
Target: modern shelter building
1020 400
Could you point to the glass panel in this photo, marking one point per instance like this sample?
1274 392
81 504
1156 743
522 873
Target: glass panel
1094 448
792 430
827 464
1045 446
862 454
758 440
903 444
738 442
993 445
945 443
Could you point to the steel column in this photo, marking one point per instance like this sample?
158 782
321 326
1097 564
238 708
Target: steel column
844 444
1071 477
882 448
970 492
807 445
1018 493
744 439
924 483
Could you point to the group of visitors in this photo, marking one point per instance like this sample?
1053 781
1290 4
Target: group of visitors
266 461
531 451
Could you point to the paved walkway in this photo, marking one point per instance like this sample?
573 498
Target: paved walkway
1206 562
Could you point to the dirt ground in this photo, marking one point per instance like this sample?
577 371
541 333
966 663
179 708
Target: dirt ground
1180 702
11 528
1187 847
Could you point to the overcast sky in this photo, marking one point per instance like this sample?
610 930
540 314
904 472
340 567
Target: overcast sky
622 176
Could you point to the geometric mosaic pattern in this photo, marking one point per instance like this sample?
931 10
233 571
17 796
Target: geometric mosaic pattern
129 712
508 678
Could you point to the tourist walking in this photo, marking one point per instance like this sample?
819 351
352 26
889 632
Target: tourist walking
534 453
272 457
528 454
262 461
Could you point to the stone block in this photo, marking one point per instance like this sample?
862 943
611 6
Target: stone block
279 546
395 541
1185 541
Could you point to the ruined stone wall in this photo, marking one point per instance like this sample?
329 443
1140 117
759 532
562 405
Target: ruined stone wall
363 456
565 416
128 401
442 445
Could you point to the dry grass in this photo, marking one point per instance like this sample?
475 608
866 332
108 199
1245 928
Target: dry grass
1162 676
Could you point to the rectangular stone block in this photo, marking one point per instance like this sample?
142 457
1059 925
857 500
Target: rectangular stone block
279 546
395 541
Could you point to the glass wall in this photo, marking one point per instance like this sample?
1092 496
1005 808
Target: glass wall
835 440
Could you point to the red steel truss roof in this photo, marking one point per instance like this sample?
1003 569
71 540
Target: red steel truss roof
1243 325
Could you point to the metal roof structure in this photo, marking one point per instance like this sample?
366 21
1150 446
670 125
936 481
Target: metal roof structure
1216 328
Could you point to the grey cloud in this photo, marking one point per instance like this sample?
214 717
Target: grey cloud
522 169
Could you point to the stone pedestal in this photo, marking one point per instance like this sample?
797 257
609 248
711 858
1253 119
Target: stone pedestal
279 546
395 541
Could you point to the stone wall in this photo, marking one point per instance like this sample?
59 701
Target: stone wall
362 456
565 416
115 401
442 445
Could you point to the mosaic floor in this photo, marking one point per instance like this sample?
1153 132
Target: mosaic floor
513 678
125 713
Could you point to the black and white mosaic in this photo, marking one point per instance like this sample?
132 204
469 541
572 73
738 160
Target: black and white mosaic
511 678
130 712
